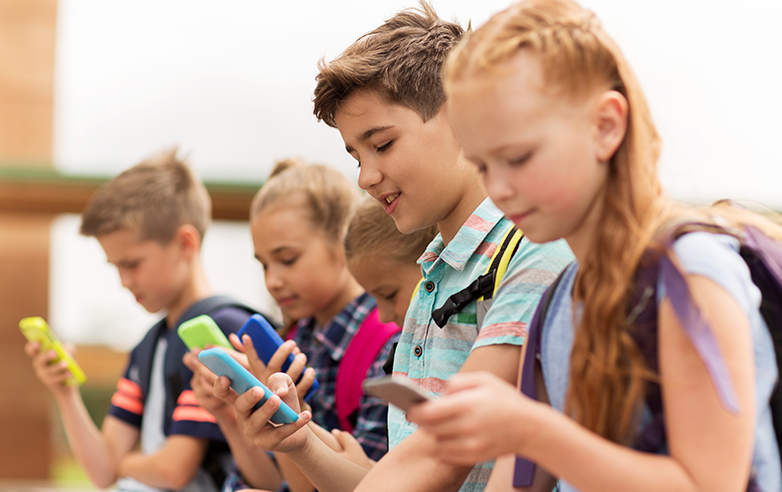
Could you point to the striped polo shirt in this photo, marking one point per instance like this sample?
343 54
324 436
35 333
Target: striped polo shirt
430 355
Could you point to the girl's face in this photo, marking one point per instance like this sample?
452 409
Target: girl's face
543 157
391 283
305 271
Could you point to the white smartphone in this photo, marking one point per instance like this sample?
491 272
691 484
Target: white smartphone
397 390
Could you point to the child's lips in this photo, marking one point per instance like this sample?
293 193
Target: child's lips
286 301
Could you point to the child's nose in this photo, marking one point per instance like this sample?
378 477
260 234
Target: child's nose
369 175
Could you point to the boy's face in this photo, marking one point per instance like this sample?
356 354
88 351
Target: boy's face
390 283
410 166
153 273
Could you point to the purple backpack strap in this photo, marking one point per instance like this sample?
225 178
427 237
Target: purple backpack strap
361 353
525 470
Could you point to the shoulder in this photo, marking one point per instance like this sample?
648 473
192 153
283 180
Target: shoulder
537 264
231 318
716 257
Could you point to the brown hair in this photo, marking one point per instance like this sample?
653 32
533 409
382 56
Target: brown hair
153 198
329 195
402 60
608 375
372 232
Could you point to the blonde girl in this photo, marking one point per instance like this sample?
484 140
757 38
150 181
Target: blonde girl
546 106
383 260
298 222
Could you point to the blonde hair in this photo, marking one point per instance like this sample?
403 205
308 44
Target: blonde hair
402 60
153 198
373 233
608 375
330 196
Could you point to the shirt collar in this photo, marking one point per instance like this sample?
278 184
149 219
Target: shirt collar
466 241
337 334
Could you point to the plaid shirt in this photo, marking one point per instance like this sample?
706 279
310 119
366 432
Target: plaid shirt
324 347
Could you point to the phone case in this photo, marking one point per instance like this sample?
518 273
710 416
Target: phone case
36 329
200 331
222 364
266 341
395 390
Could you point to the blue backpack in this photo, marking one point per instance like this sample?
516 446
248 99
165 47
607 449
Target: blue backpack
763 256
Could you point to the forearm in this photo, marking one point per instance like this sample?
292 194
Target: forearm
89 445
423 471
254 463
148 470
592 463
325 468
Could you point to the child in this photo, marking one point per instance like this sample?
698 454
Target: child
383 260
150 221
385 97
298 222
548 109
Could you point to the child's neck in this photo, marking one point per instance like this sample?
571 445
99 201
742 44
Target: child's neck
195 288
351 290
470 201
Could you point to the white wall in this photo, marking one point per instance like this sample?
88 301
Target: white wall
231 83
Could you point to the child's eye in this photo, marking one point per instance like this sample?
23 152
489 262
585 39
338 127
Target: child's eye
390 297
289 261
520 160
385 147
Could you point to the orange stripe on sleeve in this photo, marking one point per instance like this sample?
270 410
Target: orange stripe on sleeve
194 414
187 397
125 402
129 388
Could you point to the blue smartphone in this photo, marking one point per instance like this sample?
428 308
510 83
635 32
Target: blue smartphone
222 364
266 341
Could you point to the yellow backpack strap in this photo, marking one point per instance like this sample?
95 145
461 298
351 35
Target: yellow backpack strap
415 291
502 256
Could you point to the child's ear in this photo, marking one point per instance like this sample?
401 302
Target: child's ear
188 239
610 124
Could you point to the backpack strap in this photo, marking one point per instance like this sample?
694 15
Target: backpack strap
525 470
362 351
483 287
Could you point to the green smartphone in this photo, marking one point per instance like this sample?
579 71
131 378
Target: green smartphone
36 329
202 331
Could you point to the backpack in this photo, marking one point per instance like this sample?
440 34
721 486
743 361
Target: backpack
763 256
174 353
362 350
482 289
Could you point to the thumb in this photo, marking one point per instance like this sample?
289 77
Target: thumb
347 441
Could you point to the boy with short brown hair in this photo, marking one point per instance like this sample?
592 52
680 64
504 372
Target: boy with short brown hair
150 221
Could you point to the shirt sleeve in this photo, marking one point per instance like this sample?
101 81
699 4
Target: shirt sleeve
371 429
126 402
188 417
531 270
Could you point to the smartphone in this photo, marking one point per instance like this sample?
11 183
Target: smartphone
37 329
266 341
397 390
202 331
222 364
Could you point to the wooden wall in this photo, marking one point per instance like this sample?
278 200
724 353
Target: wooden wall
27 38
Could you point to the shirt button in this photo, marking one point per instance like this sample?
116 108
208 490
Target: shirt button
429 286
418 351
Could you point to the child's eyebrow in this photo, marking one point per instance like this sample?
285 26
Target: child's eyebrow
367 135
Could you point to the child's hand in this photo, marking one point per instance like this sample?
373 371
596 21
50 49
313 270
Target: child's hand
263 372
284 438
480 417
202 384
351 449
52 374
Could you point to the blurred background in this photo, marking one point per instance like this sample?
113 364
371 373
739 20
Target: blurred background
91 87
